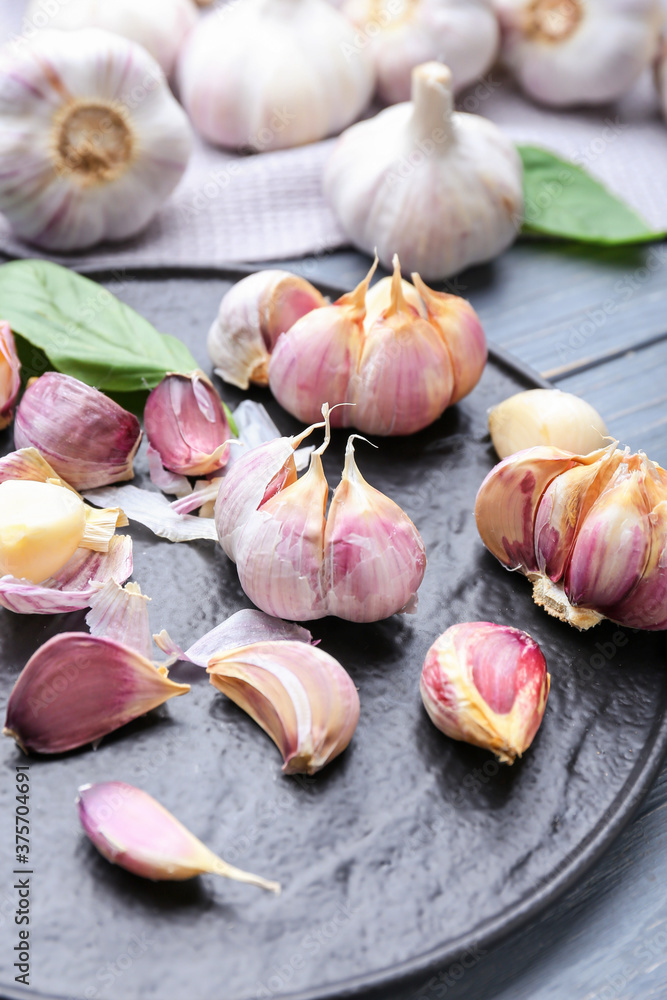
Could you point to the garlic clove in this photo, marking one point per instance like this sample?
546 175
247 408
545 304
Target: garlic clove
374 557
546 417
508 500
314 361
89 439
10 377
252 315
487 685
300 696
77 688
82 159
186 424
131 829
571 52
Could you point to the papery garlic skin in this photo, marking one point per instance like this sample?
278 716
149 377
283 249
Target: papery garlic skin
91 140
545 417
571 52
186 424
160 26
270 74
401 35
442 189
300 696
252 315
89 439
488 685
10 374
131 829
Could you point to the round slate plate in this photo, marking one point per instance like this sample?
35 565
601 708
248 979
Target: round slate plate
408 853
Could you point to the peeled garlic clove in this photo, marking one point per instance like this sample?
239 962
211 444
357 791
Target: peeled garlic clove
269 74
487 685
314 361
545 417
569 52
10 377
252 315
186 424
463 334
131 829
92 141
404 33
374 557
88 439
300 696
441 189
77 688
160 26
508 500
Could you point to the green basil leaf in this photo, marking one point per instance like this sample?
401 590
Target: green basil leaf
563 200
85 331
230 420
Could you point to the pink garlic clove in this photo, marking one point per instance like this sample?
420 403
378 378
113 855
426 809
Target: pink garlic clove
88 439
131 829
487 685
10 374
186 424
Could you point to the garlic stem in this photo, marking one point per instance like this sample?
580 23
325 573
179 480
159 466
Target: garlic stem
356 299
432 102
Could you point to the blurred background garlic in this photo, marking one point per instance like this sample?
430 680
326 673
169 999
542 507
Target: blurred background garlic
401 34
569 52
92 142
441 189
10 374
548 417
274 73
161 26
661 75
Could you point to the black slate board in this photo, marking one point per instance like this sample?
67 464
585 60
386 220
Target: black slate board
409 853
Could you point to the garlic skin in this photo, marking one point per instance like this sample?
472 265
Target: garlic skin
99 686
572 52
588 532
252 315
91 140
442 189
461 33
187 425
545 417
300 696
10 375
487 685
89 439
160 26
131 829
272 74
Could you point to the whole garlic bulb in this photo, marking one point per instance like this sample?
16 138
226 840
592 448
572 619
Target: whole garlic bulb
91 140
161 26
401 34
269 74
569 52
442 190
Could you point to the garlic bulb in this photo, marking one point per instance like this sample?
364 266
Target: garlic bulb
10 375
569 52
274 73
441 189
161 26
589 532
488 685
661 76
91 140
401 34
545 417
252 315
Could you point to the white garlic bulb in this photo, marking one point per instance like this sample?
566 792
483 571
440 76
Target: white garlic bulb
569 52
161 26
91 139
274 73
442 190
401 34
